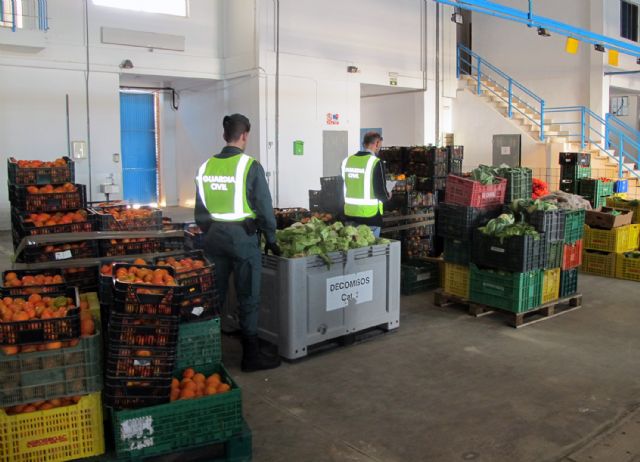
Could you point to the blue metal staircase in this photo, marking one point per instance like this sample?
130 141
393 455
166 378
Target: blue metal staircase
609 136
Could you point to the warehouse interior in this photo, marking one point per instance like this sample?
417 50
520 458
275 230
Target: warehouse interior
448 356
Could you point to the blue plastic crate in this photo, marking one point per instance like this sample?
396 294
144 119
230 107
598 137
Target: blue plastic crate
621 186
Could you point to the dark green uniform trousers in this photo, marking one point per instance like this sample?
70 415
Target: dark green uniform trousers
232 250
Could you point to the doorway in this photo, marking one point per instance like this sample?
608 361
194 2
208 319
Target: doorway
139 145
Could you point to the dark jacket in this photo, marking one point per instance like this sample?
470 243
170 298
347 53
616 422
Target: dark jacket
258 196
379 190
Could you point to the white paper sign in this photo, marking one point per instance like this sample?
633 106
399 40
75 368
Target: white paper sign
197 310
63 255
351 289
505 150
137 432
391 185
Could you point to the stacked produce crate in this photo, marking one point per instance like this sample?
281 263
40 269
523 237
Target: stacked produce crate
611 243
50 370
330 197
165 384
574 166
45 200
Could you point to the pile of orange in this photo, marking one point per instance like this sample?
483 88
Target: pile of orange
35 307
50 189
123 213
196 385
182 266
127 240
11 279
107 269
59 162
145 275
42 405
45 219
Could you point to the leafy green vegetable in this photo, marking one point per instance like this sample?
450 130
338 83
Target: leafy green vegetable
318 238
505 226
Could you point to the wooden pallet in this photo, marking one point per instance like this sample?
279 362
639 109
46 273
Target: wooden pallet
517 320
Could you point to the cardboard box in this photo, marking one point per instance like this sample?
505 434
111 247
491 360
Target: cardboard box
603 219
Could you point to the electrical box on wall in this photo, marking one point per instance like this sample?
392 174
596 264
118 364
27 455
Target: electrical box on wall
298 148
79 149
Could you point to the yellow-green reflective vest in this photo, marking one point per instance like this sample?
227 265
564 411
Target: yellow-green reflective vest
359 197
222 186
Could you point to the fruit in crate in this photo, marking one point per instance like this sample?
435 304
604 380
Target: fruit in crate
107 268
59 162
123 213
196 385
60 218
51 189
183 265
42 405
63 247
34 307
11 279
142 275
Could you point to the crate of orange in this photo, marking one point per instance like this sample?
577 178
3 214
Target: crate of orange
26 172
48 198
56 430
140 362
85 278
127 218
36 319
41 253
72 221
194 273
205 408
143 330
27 282
145 289
129 246
51 370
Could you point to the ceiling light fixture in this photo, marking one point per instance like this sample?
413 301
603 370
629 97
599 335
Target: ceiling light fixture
542 32
126 64
599 47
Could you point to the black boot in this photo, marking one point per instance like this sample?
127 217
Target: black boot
252 359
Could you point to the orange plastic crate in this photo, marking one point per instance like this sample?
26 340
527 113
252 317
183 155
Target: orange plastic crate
572 255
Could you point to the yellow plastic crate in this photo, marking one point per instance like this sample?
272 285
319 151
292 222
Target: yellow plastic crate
621 203
456 280
64 433
551 285
628 266
599 263
618 240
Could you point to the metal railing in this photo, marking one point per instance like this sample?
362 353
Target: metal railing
503 86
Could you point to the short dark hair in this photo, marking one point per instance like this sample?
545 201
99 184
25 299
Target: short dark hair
370 138
235 125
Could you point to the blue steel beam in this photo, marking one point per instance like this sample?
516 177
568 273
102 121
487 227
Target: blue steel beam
551 25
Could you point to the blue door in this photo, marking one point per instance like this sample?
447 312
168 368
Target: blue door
139 155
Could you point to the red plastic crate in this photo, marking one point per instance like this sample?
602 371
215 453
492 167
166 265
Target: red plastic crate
465 191
572 255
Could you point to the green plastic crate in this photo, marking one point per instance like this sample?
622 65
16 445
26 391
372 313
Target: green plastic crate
179 425
595 188
574 172
553 254
457 251
519 183
517 292
44 375
573 225
199 346
568 282
419 276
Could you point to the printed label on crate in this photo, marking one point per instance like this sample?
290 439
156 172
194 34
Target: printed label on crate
497 249
44 442
351 289
65 255
423 277
137 432
197 310
492 286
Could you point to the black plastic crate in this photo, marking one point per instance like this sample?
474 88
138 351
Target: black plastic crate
117 247
574 172
41 253
550 222
194 280
418 276
569 186
11 290
568 282
553 254
155 301
199 306
37 331
315 203
26 201
455 166
428 155
143 330
515 253
140 362
40 175
430 184
131 394
30 224
84 278
459 221
595 189
457 251
109 218
427 169
392 154
575 158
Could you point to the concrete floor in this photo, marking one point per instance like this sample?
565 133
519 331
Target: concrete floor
449 387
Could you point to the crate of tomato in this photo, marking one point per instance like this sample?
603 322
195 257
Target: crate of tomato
26 172
48 198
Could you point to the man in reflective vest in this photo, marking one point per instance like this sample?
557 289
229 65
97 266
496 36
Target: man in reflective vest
232 203
365 188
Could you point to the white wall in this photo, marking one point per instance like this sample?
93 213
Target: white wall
400 116
632 118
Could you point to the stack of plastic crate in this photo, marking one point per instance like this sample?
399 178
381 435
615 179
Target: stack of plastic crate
573 167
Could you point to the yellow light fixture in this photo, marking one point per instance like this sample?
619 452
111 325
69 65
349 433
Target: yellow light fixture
613 57
572 45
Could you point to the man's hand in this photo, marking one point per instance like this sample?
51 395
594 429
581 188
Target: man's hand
273 247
